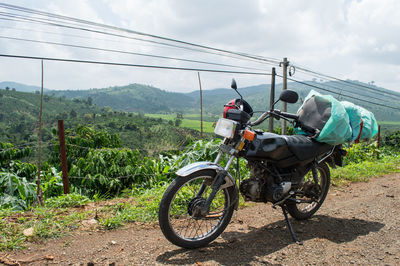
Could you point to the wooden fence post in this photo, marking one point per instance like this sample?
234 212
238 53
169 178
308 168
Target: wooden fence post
379 141
64 166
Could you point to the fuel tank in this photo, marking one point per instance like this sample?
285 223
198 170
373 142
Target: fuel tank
285 150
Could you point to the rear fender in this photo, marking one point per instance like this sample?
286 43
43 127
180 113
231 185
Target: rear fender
194 167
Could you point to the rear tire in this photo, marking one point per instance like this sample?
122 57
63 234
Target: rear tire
299 211
177 221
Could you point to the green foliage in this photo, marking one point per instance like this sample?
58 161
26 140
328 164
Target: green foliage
107 171
8 152
20 112
51 183
81 140
16 192
363 171
360 152
392 140
66 201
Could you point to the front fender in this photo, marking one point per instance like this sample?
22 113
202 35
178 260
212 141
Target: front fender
194 167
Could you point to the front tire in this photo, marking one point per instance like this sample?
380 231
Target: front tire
177 218
303 211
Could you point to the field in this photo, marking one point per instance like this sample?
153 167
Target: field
191 121
389 126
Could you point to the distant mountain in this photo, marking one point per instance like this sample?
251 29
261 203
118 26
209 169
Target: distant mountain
138 97
20 87
133 98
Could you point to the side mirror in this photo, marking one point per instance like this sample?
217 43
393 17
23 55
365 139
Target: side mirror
233 84
289 96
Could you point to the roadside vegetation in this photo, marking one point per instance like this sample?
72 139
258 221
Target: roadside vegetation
111 185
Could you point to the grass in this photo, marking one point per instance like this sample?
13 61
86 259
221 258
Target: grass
189 122
45 222
363 171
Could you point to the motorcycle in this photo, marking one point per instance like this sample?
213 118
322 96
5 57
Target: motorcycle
291 172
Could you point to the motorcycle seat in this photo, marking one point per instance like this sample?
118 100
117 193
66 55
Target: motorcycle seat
305 148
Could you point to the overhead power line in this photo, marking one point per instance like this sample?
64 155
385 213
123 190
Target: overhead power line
131 53
334 92
350 83
42 13
18 18
132 65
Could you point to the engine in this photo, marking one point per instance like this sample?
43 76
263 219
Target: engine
262 186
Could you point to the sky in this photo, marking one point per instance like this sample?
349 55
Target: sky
348 39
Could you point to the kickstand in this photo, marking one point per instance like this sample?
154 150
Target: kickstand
290 226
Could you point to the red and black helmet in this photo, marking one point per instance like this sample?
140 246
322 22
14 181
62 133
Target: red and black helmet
235 104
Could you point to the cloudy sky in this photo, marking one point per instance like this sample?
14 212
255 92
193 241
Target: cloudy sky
348 39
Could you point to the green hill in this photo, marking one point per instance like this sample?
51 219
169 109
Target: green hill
19 114
19 86
133 98
148 99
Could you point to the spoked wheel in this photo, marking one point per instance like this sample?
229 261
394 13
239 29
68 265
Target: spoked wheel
314 193
180 218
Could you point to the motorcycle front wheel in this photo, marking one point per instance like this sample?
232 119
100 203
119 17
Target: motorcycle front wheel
315 192
178 214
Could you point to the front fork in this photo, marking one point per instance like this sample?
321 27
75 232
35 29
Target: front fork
218 181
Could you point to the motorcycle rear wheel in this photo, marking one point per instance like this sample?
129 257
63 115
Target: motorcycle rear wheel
177 218
303 211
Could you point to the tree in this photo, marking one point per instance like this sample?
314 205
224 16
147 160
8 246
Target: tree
89 101
73 113
178 122
13 89
7 88
87 117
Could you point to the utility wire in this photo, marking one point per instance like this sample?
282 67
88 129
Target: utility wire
352 84
126 52
18 19
30 30
27 10
132 65
351 97
326 84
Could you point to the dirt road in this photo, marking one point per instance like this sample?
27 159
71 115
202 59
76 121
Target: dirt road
359 224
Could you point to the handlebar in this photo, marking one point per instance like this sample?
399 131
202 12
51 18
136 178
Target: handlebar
276 114
287 115
260 119
279 114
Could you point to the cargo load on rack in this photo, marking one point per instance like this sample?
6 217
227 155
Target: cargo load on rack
336 122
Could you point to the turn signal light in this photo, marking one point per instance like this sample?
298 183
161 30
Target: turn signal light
249 135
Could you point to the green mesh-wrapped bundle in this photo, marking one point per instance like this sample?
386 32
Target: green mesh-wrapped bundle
325 113
362 121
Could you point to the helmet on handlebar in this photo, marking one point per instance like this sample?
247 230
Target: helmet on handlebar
235 104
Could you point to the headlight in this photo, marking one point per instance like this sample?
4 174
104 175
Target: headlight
225 128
